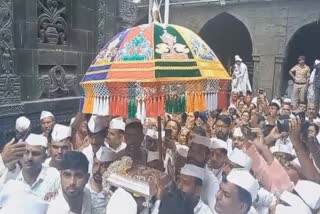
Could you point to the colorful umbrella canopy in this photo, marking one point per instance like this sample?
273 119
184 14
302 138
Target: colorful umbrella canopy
151 69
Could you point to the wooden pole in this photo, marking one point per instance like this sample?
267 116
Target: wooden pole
160 139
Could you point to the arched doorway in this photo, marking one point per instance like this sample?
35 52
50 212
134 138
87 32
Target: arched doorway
304 42
228 36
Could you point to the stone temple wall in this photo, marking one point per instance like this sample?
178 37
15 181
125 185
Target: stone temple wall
271 25
45 48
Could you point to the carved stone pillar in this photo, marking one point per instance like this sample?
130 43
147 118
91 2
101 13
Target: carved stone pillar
127 14
277 85
256 72
10 90
106 16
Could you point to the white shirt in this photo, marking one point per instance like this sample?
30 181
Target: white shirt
88 152
99 200
47 162
121 147
210 187
48 181
59 205
202 208
229 145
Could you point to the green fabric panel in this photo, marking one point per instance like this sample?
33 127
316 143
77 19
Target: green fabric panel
177 64
159 31
178 73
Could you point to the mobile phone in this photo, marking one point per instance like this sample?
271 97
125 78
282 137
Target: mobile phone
247 132
168 133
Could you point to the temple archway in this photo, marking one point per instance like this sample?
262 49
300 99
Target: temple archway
305 41
228 36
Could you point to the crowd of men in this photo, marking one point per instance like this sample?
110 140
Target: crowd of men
257 156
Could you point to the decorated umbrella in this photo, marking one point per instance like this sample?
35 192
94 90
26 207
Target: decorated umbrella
152 69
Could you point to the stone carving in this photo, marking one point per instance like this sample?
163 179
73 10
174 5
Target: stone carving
51 21
57 83
128 12
101 22
10 94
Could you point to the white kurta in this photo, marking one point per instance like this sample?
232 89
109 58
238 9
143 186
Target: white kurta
240 81
61 206
88 152
48 181
210 187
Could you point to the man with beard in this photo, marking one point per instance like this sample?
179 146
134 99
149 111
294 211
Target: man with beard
59 143
312 112
198 155
222 129
73 197
190 183
115 136
47 122
218 157
104 157
35 177
134 137
237 193
97 126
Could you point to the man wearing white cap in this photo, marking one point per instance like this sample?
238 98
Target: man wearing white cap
283 152
47 122
240 77
97 127
73 196
23 128
198 155
34 176
59 143
237 159
237 193
104 157
218 157
190 182
116 135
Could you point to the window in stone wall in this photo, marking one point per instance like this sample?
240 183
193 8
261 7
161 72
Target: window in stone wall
52 22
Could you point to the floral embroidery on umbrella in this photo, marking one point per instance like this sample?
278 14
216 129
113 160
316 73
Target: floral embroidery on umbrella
201 50
137 49
170 49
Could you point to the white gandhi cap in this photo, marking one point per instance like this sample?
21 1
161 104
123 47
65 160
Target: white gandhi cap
154 134
37 140
45 114
243 179
193 170
96 124
121 202
183 150
219 144
239 157
22 124
117 123
60 132
295 202
201 140
309 192
104 154
282 148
